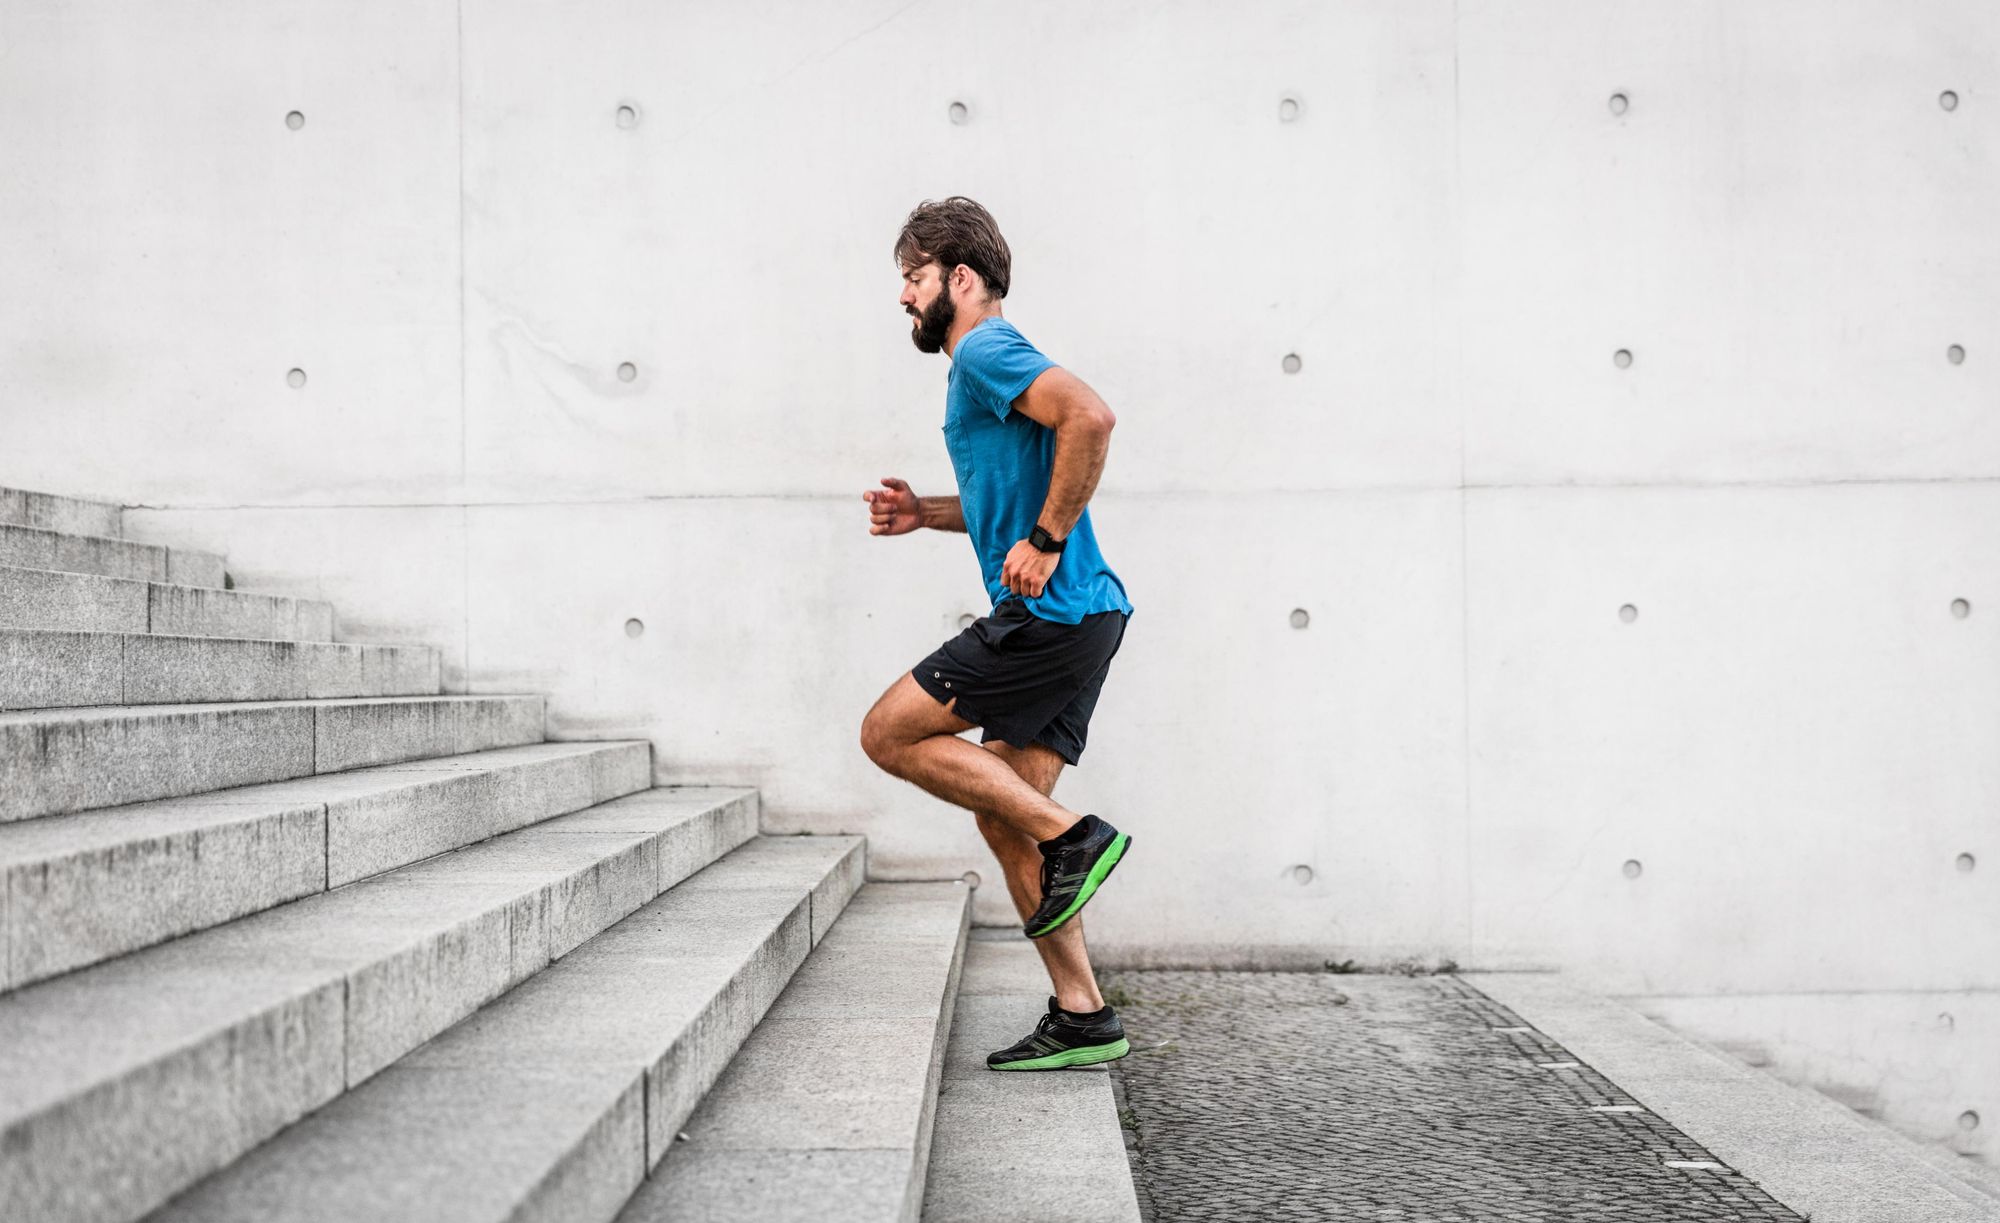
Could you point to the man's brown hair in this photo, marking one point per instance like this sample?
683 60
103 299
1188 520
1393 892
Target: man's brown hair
954 231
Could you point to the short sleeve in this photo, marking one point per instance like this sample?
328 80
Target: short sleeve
998 365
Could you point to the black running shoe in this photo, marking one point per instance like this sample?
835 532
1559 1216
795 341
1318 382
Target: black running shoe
1072 873
1061 1039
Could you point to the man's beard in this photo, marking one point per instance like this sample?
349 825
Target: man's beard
934 324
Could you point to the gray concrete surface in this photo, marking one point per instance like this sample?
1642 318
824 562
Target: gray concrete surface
110 1096
1020 1147
69 515
45 670
1817 1155
826 1112
535 1106
78 888
55 761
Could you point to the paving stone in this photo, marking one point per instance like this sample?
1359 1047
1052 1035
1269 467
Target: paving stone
1315 1095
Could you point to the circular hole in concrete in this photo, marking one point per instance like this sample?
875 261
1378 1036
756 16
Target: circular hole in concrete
295 120
634 628
1619 103
970 879
1622 358
1948 100
1291 364
295 379
966 621
627 372
1301 617
1960 609
1301 874
1628 613
628 116
1632 868
1965 862
1968 1120
960 113
1288 110
1955 354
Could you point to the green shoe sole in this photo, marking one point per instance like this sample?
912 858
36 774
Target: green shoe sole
1098 874
1089 1055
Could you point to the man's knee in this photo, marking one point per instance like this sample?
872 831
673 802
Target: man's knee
879 738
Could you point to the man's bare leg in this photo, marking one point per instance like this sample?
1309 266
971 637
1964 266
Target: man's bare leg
910 735
1063 952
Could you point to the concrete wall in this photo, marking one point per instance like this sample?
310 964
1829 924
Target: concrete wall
1760 780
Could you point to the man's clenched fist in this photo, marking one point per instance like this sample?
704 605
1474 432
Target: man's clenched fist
1027 569
894 512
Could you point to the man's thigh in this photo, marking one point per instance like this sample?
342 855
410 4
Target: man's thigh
907 713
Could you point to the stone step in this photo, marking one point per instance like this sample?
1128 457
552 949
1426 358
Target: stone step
1028 1146
124 1084
825 1113
82 888
69 515
47 670
554 1101
63 760
32 548
89 603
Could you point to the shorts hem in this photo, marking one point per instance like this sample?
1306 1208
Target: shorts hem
936 691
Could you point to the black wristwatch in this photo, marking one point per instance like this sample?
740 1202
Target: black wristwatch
1042 541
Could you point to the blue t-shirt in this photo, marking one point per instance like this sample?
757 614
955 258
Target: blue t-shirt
1003 460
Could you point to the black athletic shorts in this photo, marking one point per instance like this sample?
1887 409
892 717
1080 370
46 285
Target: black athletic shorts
1023 679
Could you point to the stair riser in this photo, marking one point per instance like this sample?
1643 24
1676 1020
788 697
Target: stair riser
27 548
71 911
59 670
73 602
112 1154
192 611
53 602
370 835
46 512
48 768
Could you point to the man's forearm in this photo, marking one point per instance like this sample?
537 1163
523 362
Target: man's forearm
1080 451
941 514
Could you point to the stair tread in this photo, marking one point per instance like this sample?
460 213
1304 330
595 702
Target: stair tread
207 640
825 1111
28 717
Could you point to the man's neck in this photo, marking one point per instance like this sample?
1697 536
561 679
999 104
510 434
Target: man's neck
964 323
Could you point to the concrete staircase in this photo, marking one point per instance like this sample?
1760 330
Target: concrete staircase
288 933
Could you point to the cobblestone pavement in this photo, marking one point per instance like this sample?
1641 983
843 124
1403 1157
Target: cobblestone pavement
1349 1097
